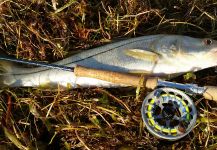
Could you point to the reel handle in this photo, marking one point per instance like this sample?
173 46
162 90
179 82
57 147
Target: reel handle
116 77
210 93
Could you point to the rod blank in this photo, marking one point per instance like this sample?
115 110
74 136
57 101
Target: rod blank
38 64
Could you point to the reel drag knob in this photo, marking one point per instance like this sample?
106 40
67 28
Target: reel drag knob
169 113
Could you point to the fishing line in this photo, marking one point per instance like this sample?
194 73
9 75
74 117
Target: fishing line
38 64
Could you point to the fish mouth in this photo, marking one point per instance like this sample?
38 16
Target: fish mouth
213 54
214 50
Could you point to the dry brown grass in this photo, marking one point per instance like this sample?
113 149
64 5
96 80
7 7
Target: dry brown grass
94 118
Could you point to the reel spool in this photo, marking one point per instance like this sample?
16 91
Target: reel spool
169 113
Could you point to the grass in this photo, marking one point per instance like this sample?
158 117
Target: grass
95 118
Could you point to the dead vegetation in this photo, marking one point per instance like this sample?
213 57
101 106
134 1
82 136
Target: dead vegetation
94 118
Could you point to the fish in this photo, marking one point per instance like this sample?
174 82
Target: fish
155 55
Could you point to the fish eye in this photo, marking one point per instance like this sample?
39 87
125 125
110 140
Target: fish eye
208 41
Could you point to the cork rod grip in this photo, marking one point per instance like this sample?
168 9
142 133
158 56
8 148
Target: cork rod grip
116 77
210 93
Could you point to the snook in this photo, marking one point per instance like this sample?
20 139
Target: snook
154 54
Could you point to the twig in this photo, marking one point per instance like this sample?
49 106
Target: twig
81 140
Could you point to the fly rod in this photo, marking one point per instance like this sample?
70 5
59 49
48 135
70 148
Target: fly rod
209 92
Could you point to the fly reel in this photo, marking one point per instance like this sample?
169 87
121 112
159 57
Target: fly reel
169 113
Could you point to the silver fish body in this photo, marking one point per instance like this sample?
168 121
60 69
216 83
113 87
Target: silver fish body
154 54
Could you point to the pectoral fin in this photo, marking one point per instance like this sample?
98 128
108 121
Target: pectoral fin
139 72
142 54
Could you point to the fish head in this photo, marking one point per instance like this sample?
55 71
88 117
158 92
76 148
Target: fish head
173 44
183 53
204 46
201 52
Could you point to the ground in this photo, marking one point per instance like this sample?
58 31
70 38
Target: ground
95 118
